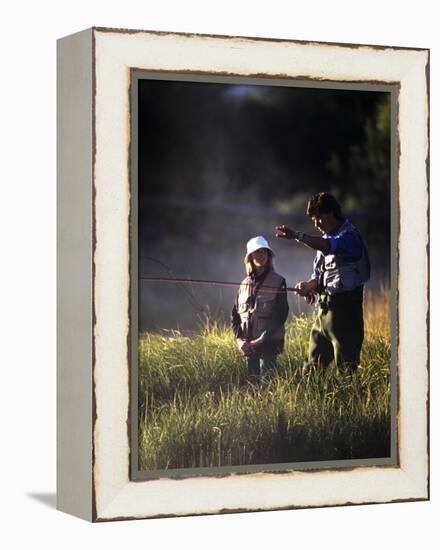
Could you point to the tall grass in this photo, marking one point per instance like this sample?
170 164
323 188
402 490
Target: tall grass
198 408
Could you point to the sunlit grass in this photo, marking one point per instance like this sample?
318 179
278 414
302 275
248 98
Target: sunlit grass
197 408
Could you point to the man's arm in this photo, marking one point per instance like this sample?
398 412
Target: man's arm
317 243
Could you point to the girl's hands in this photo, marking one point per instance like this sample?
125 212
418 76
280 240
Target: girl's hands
247 348
255 343
244 347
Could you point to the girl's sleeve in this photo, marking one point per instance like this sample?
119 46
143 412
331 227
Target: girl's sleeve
236 322
280 310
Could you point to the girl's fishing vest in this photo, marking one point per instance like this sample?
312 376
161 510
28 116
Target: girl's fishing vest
256 311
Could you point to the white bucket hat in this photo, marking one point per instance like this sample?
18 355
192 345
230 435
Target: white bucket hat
255 244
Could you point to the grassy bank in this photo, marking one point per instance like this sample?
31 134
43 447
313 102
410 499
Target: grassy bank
198 408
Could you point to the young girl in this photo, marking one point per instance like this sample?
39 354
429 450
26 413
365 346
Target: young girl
260 310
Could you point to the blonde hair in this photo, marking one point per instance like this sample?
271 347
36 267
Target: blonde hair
249 263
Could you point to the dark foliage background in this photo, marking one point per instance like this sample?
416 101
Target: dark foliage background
221 163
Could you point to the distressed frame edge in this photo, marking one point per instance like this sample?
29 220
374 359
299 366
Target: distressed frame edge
74 274
254 38
232 511
428 268
166 515
424 495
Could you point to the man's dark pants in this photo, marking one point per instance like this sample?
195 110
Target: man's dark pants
338 331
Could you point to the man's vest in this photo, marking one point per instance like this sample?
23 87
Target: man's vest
337 274
256 311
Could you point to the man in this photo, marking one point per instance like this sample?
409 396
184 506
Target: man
340 269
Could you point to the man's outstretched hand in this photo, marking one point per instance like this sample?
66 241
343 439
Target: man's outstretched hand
284 232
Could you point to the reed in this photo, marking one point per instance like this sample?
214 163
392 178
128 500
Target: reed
197 408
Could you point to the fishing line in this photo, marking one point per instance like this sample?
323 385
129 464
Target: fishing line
176 280
189 294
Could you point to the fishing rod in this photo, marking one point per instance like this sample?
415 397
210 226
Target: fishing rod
268 290
192 299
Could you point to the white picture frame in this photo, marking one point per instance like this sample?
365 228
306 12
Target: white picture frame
94 285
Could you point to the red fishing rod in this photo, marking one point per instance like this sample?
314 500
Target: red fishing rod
213 283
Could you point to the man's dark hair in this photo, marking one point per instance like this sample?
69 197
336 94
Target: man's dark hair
324 203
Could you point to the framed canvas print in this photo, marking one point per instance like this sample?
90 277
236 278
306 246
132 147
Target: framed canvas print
242 226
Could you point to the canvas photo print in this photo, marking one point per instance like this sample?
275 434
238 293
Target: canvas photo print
264 277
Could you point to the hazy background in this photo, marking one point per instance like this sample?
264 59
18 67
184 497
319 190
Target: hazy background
221 163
